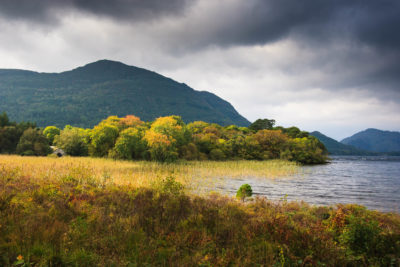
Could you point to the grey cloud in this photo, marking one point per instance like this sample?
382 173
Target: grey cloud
49 11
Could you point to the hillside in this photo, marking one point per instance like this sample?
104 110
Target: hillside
336 148
375 140
84 96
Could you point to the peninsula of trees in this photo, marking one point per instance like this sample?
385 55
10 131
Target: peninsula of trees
166 139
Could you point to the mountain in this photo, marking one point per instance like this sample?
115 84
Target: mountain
336 148
86 95
375 140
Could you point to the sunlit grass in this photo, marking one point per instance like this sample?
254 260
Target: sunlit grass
193 174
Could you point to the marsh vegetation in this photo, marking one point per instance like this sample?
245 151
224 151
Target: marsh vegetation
101 212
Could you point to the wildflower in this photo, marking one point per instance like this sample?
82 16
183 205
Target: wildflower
20 257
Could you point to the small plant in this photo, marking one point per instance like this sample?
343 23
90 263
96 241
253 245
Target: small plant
20 261
244 191
169 185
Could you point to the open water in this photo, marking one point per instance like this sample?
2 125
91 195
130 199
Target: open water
370 181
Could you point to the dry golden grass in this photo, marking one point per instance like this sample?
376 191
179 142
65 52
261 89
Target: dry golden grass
193 174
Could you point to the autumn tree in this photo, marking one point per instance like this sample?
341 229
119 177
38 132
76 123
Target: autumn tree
165 137
130 121
271 143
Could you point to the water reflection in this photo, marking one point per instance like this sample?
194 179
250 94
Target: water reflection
370 181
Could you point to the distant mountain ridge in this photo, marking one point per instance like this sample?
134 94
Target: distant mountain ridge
86 95
375 140
336 148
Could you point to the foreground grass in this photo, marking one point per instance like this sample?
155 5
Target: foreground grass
72 219
193 174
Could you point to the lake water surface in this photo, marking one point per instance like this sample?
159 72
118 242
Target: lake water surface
370 181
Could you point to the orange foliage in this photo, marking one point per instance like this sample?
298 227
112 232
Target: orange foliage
158 139
130 121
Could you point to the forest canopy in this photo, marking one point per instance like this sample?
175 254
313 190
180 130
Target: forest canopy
165 139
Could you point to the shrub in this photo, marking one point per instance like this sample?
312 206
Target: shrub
360 235
170 186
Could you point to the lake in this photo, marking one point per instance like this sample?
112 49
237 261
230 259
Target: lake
370 181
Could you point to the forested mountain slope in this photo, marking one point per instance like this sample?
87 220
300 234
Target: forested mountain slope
84 96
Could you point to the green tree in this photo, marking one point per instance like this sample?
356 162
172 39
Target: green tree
103 137
50 132
306 150
197 126
130 144
244 191
73 141
33 142
9 138
293 132
262 124
4 121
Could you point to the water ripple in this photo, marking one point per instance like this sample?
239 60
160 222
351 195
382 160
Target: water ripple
370 181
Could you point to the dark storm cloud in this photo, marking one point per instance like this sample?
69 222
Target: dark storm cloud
373 22
48 11
262 21
365 24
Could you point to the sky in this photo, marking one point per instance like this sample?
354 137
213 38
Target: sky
331 66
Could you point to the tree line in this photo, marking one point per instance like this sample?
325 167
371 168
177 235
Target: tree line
166 139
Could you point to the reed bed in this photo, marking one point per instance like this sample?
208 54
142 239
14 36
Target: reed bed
192 174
